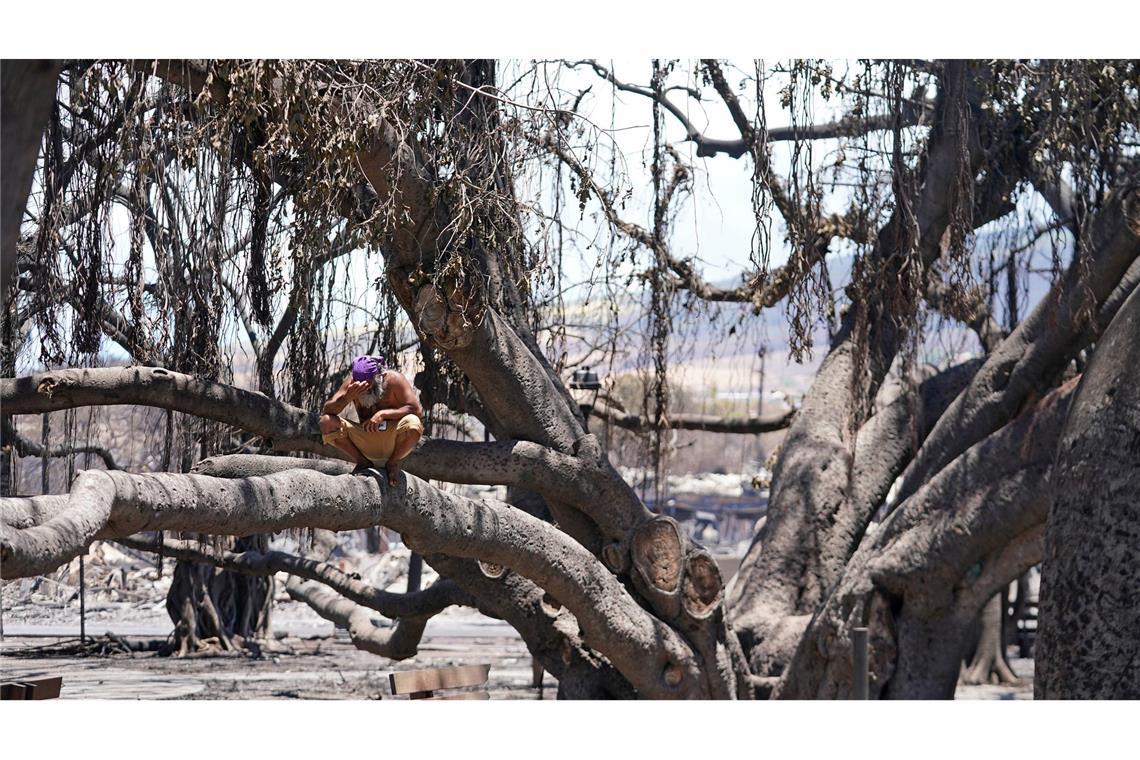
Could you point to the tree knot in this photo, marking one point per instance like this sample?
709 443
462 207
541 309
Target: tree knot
444 319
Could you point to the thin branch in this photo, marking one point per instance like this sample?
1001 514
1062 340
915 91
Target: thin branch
28 448
758 150
706 146
430 601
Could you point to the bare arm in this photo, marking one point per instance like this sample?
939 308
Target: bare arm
344 395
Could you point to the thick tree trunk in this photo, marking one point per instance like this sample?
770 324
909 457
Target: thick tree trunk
1088 645
920 580
27 91
7 429
814 524
883 446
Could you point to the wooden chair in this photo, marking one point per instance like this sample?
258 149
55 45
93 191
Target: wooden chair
422 684
40 688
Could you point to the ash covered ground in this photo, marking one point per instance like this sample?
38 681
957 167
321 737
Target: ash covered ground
307 658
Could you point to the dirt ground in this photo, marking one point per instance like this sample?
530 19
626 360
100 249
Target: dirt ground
324 667
319 668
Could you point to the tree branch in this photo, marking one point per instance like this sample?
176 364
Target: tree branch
397 643
550 630
999 568
649 653
848 126
706 146
1029 359
705 422
758 149
633 231
559 476
287 427
28 448
518 464
886 443
998 488
761 289
430 601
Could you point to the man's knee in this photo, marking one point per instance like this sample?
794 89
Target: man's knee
409 427
330 423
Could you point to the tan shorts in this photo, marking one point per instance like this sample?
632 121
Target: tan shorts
378 446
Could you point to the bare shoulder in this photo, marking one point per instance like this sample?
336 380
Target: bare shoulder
396 385
397 389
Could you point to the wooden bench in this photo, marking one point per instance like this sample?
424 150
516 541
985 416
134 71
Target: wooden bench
40 688
422 684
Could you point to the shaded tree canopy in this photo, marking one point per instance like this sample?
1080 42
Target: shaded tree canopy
204 216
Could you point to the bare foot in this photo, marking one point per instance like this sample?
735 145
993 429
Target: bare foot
393 472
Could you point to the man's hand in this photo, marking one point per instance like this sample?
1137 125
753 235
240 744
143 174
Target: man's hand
356 388
375 423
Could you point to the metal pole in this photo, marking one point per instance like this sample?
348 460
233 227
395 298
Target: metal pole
859 654
82 604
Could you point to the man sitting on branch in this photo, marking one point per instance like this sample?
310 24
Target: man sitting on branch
388 412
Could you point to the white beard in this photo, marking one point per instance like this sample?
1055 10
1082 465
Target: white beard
373 396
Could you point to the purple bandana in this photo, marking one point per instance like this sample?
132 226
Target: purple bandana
366 367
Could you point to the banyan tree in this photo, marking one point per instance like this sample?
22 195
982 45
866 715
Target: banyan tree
165 206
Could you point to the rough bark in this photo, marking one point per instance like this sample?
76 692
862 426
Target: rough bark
1026 364
883 447
1088 644
27 92
921 579
657 661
